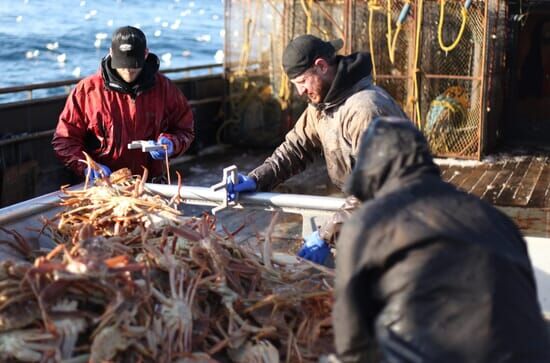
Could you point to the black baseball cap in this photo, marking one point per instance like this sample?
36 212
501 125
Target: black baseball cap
128 48
302 51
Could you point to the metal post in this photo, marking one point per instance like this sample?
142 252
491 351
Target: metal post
290 203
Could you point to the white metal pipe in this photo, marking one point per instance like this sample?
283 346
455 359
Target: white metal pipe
292 203
269 201
27 208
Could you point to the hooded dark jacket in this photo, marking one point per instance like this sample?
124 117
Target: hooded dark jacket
427 273
333 128
103 114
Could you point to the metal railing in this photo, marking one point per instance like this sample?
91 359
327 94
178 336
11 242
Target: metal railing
209 69
67 84
28 136
311 207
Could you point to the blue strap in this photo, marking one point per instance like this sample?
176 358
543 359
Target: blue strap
404 12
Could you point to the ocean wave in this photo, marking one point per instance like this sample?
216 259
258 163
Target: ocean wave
30 29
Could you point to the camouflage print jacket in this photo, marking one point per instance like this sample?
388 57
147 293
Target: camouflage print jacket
332 128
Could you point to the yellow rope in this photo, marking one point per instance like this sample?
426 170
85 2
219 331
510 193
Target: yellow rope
307 11
441 135
373 6
310 18
464 13
391 48
389 28
447 105
284 90
392 40
245 50
249 24
458 93
416 96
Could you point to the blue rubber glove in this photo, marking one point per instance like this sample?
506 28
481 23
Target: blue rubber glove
161 154
314 249
103 172
244 184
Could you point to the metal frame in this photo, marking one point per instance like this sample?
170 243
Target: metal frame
325 20
29 88
474 78
312 208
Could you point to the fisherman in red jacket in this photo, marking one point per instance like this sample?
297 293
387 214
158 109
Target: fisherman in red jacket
126 100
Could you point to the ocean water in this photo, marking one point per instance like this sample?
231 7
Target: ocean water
49 40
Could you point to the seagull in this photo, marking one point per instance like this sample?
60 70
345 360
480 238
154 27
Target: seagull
52 46
62 58
167 58
76 72
218 57
30 54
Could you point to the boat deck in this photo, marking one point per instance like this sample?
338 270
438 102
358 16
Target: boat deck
518 184
513 181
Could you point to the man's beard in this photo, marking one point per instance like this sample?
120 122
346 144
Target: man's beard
323 91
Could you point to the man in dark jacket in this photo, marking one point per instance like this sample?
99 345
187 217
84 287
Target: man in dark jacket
425 272
126 100
342 102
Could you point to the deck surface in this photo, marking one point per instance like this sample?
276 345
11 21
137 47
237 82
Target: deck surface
508 181
517 184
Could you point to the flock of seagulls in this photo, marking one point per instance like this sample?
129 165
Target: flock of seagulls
52 48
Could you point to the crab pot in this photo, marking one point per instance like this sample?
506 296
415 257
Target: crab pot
439 59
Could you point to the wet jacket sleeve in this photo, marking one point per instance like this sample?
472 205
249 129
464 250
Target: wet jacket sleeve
68 139
291 157
180 122
353 330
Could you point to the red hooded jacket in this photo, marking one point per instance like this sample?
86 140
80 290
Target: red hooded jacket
103 114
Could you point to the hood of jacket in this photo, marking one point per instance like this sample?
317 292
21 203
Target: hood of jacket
349 70
145 80
392 154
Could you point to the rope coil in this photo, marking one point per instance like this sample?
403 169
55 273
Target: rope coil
463 13
446 120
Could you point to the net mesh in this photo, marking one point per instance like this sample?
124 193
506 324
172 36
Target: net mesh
448 94
451 94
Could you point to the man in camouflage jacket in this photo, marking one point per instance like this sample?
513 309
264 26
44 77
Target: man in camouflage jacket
342 102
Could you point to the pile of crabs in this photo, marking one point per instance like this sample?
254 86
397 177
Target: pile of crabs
131 280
